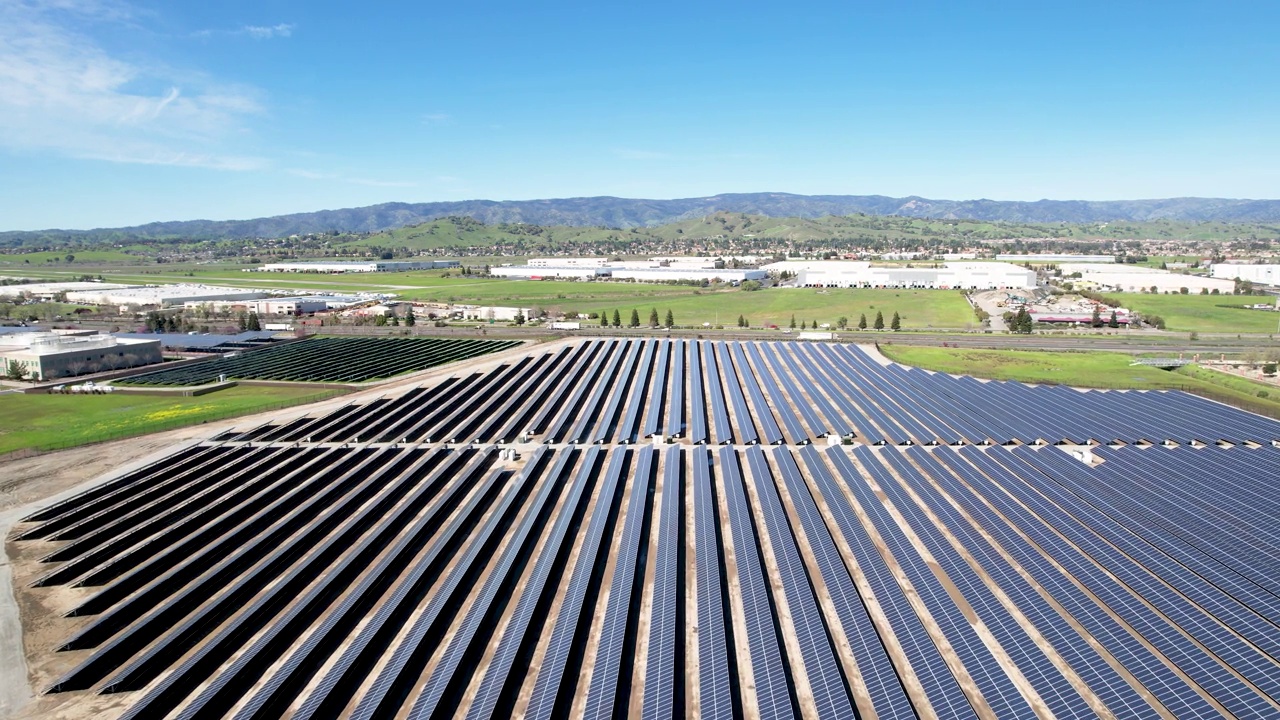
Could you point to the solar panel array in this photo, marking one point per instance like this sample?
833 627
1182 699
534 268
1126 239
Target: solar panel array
941 558
326 359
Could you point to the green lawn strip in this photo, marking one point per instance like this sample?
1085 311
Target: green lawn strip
49 422
1204 313
1085 369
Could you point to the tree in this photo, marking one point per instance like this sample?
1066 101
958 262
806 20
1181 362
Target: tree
1096 319
252 323
15 370
862 321
635 318
380 321
604 319
671 319
879 324
742 321
896 323
842 323
519 317
1114 322
793 322
1021 322
242 321
653 317
617 319
409 318
804 325
394 321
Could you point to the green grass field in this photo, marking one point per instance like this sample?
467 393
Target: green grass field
49 259
50 422
1088 369
919 309
1204 313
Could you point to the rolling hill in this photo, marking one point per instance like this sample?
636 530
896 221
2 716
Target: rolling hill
625 213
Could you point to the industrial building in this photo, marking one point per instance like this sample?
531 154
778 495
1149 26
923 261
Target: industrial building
290 306
695 274
588 262
152 296
358 267
1055 258
1256 274
951 276
490 314
1134 278
542 272
50 291
48 356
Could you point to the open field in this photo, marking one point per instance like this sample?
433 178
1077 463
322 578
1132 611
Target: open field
918 308
1087 369
1204 313
63 421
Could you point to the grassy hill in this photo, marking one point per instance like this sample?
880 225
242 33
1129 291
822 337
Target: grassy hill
728 232
642 213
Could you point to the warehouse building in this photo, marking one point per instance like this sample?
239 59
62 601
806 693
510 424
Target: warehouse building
568 272
50 291
48 356
695 274
951 276
1055 258
1133 278
1256 274
358 267
290 306
588 262
490 314
162 296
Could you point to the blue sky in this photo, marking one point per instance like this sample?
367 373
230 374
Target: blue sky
115 112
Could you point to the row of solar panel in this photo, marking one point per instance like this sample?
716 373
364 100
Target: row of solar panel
747 393
948 583
327 359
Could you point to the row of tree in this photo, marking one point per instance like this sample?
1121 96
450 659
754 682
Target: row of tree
843 323
634 322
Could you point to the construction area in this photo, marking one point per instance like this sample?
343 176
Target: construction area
671 528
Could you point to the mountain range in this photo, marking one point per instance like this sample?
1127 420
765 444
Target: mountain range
628 213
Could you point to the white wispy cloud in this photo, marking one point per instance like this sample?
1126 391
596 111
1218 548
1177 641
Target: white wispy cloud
339 177
61 92
266 32
436 118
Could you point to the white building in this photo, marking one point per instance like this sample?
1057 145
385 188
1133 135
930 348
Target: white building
568 262
1136 278
951 276
162 295
666 274
1256 274
357 266
1055 258
529 272
290 306
491 314
48 356
48 291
